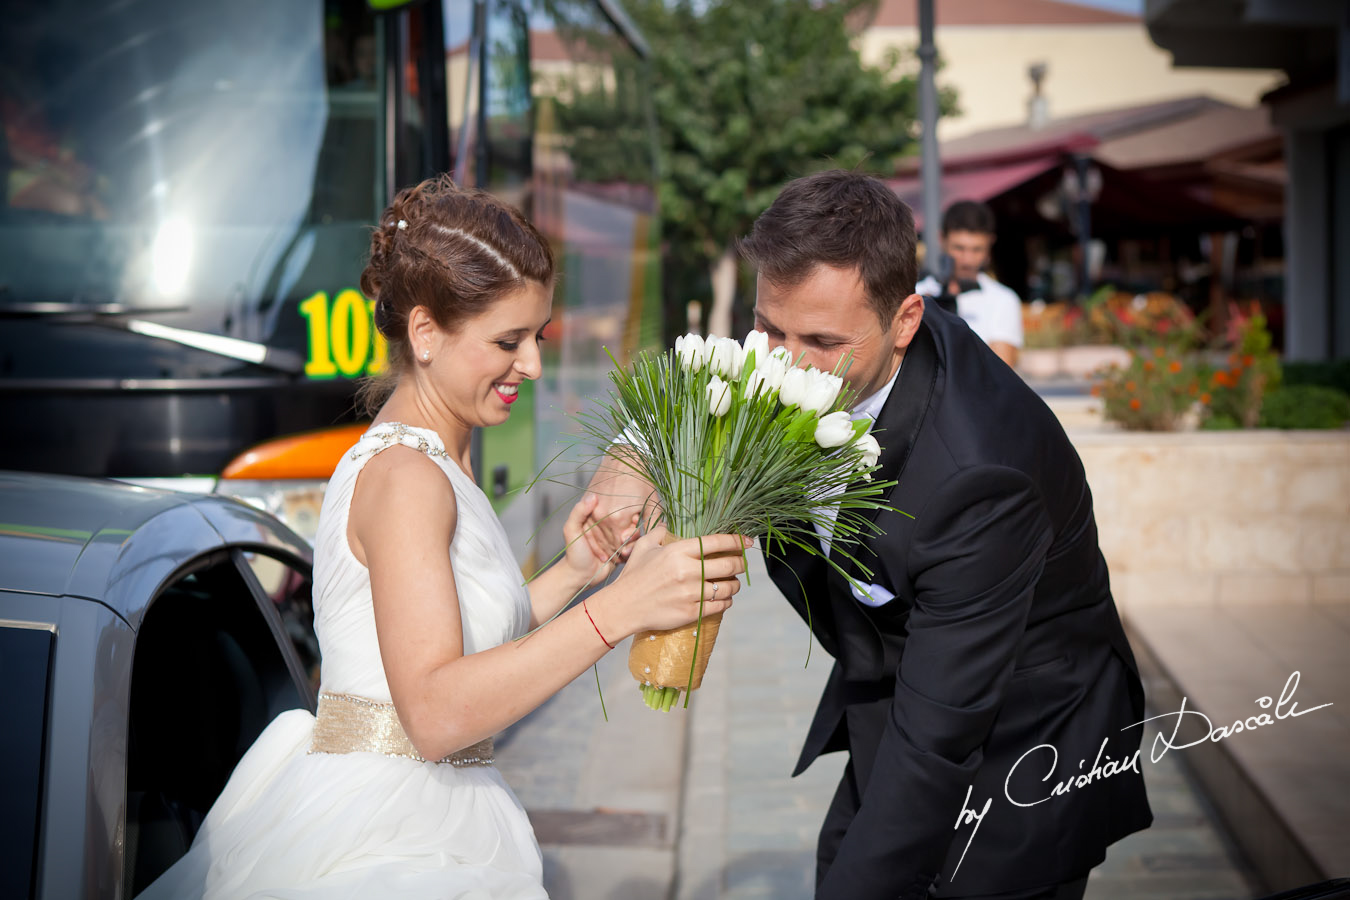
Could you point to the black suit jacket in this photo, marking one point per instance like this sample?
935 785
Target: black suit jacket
1002 637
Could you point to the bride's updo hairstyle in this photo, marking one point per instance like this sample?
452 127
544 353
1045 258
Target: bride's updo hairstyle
451 250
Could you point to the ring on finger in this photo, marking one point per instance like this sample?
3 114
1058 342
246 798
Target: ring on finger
716 585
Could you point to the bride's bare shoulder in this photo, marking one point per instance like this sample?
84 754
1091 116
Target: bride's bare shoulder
401 496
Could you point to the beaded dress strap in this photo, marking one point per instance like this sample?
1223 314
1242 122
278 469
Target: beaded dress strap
383 436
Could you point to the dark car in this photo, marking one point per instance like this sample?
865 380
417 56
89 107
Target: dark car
146 638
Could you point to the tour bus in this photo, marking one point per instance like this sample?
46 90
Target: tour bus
187 189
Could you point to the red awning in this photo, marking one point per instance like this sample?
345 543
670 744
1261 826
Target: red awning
979 184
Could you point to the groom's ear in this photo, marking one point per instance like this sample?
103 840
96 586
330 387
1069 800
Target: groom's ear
906 320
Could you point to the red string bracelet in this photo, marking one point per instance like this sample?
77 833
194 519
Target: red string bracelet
595 626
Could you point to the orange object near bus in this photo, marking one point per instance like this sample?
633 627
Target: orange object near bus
313 454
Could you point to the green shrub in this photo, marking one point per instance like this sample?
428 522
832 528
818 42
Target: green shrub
1220 422
1328 374
1305 406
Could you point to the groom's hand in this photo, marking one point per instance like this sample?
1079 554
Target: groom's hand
585 556
621 491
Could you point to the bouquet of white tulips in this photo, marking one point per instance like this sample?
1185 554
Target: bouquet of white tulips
736 438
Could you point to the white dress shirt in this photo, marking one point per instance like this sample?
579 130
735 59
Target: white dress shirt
869 408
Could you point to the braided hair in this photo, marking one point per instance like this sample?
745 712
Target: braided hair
451 250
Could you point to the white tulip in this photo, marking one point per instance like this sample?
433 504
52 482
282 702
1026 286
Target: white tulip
822 389
689 349
719 397
757 342
773 369
783 353
754 382
793 389
836 384
724 356
834 430
871 451
715 352
737 357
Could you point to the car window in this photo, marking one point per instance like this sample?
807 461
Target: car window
290 588
208 675
25 664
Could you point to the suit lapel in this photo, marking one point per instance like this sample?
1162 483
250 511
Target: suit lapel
897 428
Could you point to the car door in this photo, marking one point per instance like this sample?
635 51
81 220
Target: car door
224 647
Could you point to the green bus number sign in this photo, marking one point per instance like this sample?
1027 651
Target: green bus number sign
343 340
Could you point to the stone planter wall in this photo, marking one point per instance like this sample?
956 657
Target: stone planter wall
1077 361
1203 518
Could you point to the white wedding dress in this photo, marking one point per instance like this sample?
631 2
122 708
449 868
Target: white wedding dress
292 824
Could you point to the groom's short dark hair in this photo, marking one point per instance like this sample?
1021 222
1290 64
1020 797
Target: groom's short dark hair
841 219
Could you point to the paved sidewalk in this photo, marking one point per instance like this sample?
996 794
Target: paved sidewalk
603 796
749 830
699 805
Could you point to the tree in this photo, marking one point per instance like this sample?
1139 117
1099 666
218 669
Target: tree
748 95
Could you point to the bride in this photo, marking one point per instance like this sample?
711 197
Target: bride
391 790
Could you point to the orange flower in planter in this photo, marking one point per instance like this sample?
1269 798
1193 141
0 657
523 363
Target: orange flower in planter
1205 398
1174 367
1148 365
1135 403
1130 386
1250 370
1158 352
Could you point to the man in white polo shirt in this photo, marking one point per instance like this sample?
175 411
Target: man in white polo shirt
991 310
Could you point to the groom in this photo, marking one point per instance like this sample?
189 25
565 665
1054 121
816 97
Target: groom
983 686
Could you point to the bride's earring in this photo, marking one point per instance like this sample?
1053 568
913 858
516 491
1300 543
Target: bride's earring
426 356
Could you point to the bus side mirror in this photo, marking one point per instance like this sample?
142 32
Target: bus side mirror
384 6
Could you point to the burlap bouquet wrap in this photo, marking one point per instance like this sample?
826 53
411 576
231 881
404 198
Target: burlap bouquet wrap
663 657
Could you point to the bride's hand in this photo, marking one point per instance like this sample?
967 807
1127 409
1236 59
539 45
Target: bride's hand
662 585
589 557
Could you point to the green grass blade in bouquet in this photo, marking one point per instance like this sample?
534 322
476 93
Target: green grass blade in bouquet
735 438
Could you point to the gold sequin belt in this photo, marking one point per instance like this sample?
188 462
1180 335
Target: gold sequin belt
350 724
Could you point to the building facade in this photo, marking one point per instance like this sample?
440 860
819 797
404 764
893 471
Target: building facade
1092 59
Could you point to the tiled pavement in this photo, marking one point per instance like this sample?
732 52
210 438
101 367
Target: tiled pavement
603 795
1183 856
718 818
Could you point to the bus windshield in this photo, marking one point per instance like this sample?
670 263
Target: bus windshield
200 165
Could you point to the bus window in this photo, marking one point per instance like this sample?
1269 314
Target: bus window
199 163
176 173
